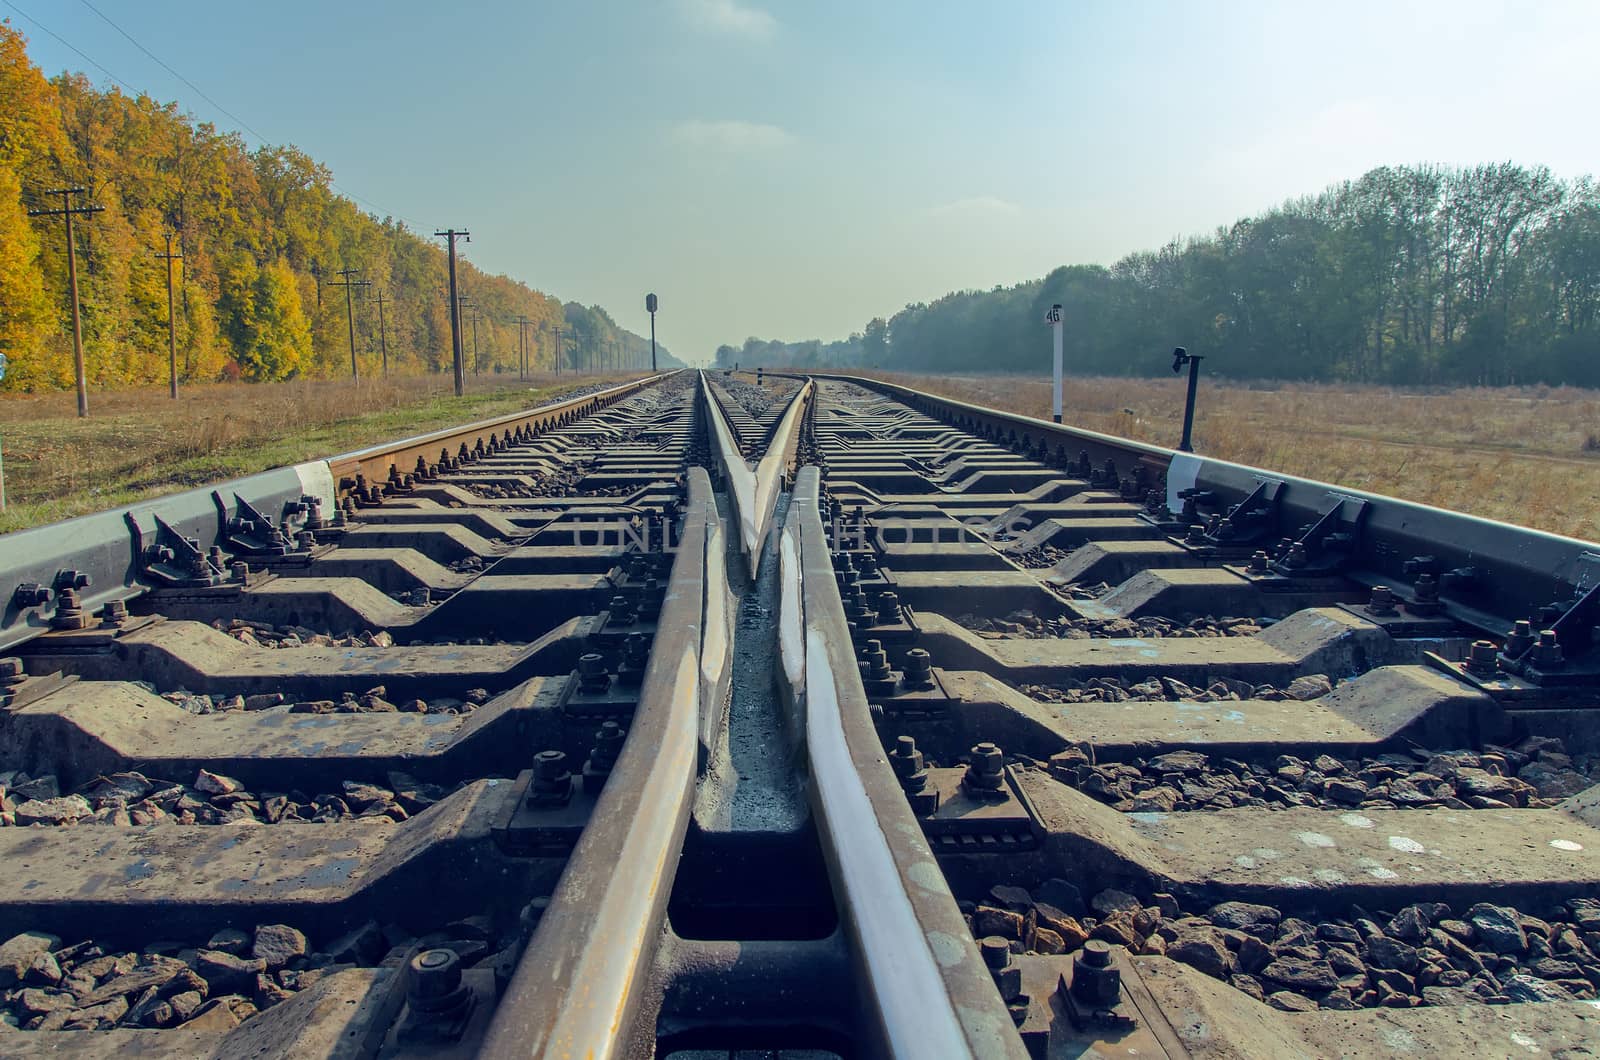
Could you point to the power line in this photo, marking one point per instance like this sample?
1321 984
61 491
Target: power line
70 46
228 113
263 140
197 89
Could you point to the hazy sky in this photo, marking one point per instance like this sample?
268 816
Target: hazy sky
790 171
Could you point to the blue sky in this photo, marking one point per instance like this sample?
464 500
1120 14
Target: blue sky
789 171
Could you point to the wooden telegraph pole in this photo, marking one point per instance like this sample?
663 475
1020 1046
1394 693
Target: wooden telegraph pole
172 321
350 312
383 341
455 309
68 211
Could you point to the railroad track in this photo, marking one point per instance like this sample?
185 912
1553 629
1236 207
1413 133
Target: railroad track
718 715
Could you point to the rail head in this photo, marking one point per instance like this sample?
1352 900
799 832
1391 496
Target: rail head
754 492
930 991
583 976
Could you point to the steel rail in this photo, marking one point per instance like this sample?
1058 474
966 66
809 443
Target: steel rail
107 547
930 993
375 461
583 975
1520 570
754 492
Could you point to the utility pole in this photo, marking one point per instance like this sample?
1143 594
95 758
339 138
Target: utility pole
68 211
467 303
383 341
350 311
522 344
558 349
172 323
650 305
455 317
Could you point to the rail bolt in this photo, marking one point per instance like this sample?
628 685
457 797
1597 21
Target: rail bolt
1007 976
438 1000
986 771
114 614
919 669
1259 562
1382 601
876 661
11 671
635 657
1519 638
592 676
911 770
552 780
621 610
1094 978
1483 658
907 760
859 610
607 745
608 741
69 610
30 594
1546 654
888 608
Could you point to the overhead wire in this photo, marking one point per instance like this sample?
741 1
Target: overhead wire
261 140
69 45
225 111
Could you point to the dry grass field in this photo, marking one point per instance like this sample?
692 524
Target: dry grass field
140 443
1525 455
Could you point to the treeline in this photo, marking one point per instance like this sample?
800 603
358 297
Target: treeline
262 236
1410 275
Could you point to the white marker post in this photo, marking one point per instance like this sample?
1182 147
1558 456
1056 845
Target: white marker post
1053 318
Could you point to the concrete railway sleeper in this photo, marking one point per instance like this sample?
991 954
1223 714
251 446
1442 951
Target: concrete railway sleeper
714 715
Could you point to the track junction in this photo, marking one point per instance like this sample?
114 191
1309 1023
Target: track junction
716 715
